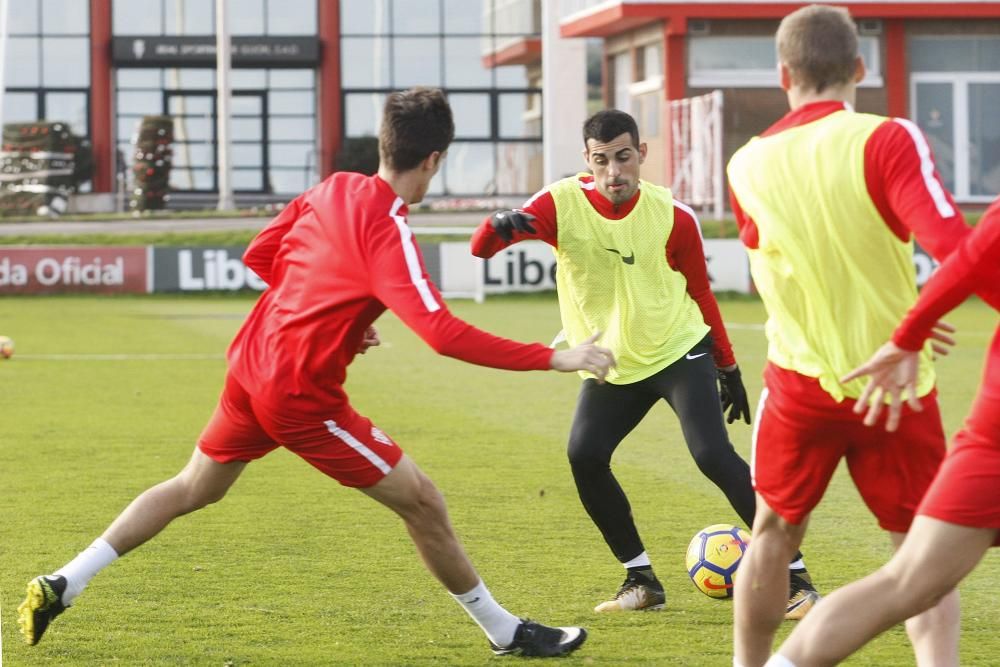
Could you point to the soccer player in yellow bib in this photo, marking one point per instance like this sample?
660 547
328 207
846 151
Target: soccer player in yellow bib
827 201
631 265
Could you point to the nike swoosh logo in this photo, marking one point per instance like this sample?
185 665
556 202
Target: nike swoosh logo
709 585
630 259
695 356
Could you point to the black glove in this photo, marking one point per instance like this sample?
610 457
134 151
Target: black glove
733 395
507 222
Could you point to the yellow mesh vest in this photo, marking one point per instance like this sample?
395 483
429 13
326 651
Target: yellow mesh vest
613 277
835 280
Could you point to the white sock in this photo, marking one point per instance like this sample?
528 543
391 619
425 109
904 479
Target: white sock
498 623
797 565
642 560
81 570
778 660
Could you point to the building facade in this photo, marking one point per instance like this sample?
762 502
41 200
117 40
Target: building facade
307 74
937 63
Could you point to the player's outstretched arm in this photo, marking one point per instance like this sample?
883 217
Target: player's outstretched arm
587 356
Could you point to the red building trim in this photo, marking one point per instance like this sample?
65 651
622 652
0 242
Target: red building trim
522 52
896 69
101 137
331 113
626 16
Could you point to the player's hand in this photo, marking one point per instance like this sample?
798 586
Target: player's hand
941 342
371 339
505 223
892 373
733 395
584 357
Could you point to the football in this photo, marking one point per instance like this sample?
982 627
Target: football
6 347
713 556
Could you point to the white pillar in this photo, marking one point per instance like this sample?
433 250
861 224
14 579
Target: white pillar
564 97
223 65
3 56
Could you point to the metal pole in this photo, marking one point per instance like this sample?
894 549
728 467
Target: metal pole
3 57
223 64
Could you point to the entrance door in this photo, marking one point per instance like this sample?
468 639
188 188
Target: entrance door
957 112
195 166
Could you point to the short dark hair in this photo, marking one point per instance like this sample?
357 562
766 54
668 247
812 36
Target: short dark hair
415 123
819 46
608 124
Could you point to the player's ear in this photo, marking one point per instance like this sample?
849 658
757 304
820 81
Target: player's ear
785 76
643 148
859 69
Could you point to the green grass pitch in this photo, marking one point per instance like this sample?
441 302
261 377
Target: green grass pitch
292 569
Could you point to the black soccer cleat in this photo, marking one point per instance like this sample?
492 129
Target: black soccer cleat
534 640
42 603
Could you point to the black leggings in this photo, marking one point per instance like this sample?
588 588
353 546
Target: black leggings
606 413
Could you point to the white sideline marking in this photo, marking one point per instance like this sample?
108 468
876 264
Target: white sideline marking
120 357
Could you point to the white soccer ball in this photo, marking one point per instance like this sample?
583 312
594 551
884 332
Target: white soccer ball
713 556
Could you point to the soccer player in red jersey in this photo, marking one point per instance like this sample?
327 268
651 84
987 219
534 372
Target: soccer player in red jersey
959 518
827 201
334 260
631 262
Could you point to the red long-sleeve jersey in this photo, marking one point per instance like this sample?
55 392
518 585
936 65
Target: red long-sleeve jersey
334 260
684 250
973 267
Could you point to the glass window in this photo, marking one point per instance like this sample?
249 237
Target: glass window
954 54
364 18
22 68
138 78
248 19
519 167
195 129
416 17
462 16
292 78
20 107
469 168
984 139
290 102
137 17
246 129
24 21
247 79
190 17
363 113
189 79
367 62
302 128
472 115
416 61
246 105
190 105
621 77
193 154
66 61
247 179
64 17
515 111
135 102
291 17
514 76
934 106
192 179
292 155
247 155
70 108
463 64
651 62
128 127
288 180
